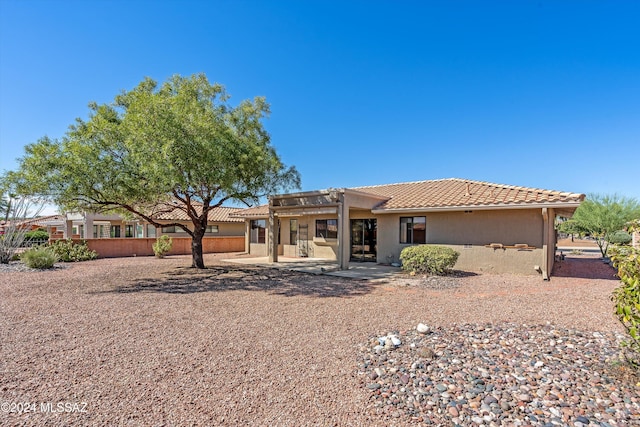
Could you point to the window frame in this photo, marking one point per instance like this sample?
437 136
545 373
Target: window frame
407 235
329 234
258 237
114 231
170 229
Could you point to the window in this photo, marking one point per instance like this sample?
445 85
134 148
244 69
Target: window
169 229
115 231
413 229
327 228
258 230
100 231
139 231
212 229
293 231
128 230
151 230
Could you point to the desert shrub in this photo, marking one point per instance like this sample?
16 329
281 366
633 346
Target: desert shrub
68 251
13 236
39 257
626 298
620 238
38 234
162 246
428 259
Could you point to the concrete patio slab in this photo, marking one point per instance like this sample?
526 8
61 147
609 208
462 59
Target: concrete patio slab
357 270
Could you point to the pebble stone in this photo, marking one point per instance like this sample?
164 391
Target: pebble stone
504 374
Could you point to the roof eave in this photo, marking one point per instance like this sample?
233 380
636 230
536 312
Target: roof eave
256 215
563 205
365 194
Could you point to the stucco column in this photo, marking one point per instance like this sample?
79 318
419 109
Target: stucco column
272 237
247 236
340 242
88 226
545 244
551 240
344 238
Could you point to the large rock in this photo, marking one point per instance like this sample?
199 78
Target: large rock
422 328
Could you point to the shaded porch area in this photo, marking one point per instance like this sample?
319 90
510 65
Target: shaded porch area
356 270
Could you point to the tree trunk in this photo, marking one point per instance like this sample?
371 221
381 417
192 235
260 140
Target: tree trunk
196 248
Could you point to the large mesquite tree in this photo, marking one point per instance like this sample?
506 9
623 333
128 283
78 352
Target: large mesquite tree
157 148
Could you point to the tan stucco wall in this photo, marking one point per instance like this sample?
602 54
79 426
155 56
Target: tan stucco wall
508 227
317 247
475 229
258 249
482 259
360 214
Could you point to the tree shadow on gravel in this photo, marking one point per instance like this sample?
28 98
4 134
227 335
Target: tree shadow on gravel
584 268
186 280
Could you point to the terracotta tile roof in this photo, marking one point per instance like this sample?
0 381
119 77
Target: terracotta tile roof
455 192
40 221
256 211
219 214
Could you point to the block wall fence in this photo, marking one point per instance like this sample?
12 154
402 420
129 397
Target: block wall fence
127 247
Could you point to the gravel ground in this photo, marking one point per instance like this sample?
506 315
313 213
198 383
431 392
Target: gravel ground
145 341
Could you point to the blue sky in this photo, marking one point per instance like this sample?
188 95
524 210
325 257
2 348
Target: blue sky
540 94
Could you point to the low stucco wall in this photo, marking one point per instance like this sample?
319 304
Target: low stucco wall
488 260
257 249
125 247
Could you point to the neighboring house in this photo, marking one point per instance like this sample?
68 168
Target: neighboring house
494 227
100 226
220 222
32 223
115 236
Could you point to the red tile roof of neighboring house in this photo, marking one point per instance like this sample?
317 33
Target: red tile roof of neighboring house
41 221
219 214
455 192
256 211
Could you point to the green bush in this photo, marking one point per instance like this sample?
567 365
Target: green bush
425 259
162 246
67 251
38 234
39 257
626 297
620 238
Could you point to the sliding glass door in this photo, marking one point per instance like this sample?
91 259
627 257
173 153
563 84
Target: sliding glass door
363 240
